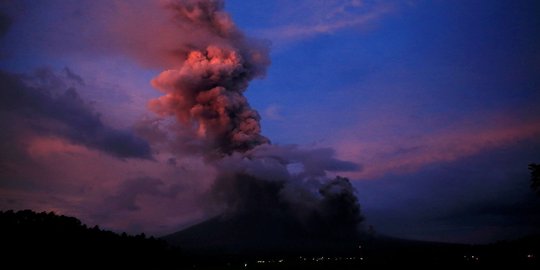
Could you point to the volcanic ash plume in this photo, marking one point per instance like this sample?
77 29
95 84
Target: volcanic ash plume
206 92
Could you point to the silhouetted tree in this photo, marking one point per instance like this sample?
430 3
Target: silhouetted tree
535 177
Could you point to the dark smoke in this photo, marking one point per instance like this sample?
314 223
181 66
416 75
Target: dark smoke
261 182
327 208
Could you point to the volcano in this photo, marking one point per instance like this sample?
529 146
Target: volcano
252 238
261 234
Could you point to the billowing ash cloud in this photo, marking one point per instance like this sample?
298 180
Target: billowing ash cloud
46 104
205 94
263 182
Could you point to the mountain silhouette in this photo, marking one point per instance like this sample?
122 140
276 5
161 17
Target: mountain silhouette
261 234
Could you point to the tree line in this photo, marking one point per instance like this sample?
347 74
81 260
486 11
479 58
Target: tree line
55 238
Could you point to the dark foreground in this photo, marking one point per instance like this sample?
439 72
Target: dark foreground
45 239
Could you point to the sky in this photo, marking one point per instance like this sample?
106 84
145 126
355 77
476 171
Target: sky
436 102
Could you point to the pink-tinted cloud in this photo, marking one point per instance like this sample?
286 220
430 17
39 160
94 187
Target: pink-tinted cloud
149 32
206 92
47 103
57 155
405 153
134 195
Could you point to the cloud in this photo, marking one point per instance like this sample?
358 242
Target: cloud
313 18
51 107
407 153
134 195
272 112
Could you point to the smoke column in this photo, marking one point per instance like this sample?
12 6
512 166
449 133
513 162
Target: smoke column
206 92
205 95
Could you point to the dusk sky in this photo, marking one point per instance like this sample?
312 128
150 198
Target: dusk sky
430 108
